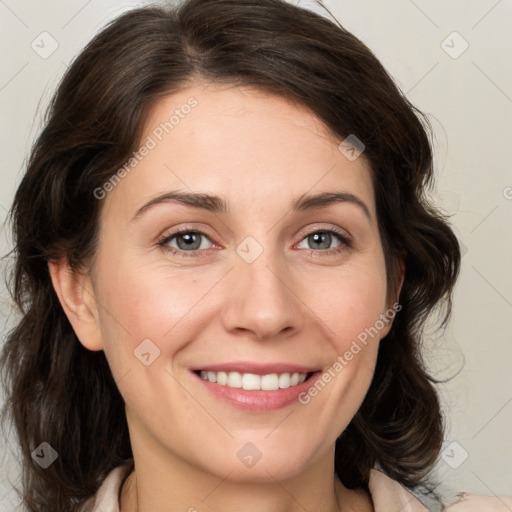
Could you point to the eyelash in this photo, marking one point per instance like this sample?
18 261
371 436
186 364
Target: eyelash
345 242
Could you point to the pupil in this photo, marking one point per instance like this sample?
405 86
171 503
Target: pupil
317 239
189 240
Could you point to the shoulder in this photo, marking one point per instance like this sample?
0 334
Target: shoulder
388 495
476 503
106 499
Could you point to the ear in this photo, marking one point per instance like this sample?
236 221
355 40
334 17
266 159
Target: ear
393 306
77 298
399 280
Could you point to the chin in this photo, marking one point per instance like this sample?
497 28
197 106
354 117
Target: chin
266 469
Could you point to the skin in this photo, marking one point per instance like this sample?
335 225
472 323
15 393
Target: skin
294 303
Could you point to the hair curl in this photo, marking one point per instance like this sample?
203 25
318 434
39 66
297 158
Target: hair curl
58 391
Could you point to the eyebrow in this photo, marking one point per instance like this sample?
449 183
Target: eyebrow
216 204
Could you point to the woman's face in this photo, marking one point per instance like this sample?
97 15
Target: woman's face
262 291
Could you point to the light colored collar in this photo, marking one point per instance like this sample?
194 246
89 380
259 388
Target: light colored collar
390 496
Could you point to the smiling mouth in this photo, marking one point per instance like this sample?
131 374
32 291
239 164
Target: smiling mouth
253 382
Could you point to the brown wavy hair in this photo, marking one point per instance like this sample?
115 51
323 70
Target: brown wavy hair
64 394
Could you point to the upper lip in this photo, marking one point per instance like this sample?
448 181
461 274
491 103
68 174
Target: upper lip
256 368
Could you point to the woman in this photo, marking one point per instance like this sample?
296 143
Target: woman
224 259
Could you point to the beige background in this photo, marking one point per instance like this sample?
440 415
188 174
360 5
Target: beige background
468 96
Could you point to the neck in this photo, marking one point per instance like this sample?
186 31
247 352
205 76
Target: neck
172 481
144 491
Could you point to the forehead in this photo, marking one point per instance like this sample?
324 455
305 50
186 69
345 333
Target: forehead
240 143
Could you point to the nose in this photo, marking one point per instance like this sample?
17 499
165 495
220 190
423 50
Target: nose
262 299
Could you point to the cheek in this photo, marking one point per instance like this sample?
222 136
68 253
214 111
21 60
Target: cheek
353 312
155 302
352 302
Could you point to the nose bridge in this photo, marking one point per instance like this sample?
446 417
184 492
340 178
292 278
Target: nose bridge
261 299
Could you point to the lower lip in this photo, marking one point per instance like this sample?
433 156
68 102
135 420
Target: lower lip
258 400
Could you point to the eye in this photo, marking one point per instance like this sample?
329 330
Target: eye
186 241
321 240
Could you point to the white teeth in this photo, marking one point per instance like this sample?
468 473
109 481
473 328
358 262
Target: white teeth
269 382
234 380
284 380
251 381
